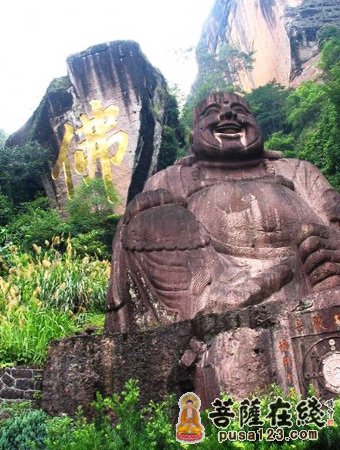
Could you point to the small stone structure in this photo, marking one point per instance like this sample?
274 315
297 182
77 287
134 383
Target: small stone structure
20 383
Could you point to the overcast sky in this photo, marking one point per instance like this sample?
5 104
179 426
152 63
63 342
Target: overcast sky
36 36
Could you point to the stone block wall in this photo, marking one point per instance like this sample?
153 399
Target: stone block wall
20 383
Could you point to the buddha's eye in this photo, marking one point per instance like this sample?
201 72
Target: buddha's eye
239 109
210 110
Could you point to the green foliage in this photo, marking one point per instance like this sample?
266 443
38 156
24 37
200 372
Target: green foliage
172 133
26 332
327 33
308 125
24 432
6 210
119 423
21 169
35 223
305 104
91 219
269 103
134 429
91 204
169 148
61 83
282 142
47 296
3 138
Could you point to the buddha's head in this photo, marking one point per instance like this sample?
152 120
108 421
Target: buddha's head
225 129
190 404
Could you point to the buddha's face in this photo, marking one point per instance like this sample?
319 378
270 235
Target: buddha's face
225 128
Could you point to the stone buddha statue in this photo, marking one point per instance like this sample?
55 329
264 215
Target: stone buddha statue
229 226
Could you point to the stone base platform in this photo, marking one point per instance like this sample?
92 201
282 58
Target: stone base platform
239 352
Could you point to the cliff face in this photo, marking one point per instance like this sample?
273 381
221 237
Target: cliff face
281 34
105 119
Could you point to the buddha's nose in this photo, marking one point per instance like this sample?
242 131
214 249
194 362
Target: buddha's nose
227 113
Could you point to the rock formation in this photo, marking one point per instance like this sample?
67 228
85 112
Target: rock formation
105 119
281 35
225 277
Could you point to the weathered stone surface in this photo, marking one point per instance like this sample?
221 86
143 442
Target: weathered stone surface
21 372
25 385
236 361
21 382
105 119
282 34
11 394
7 379
241 352
79 367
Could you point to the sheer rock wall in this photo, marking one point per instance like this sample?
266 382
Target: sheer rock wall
282 34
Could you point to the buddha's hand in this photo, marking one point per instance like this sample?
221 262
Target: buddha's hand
319 249
150 199
251 291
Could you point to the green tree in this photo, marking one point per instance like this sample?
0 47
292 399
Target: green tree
21 169
269 104
91 204
91 216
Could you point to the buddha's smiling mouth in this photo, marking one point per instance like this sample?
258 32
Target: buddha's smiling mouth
228 130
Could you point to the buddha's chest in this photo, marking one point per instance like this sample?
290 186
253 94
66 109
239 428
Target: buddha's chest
251 213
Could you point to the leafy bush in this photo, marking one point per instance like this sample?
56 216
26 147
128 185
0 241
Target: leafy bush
24 432
119 423
92 203
21 169
134 429
6 209
34 227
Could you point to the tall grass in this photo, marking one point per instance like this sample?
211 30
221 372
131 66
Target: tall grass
62 281
47 295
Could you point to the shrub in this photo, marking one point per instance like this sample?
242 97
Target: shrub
35 224
24 432
62 281
6 210
149 428
92 203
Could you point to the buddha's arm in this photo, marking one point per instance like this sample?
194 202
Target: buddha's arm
319 245
312 186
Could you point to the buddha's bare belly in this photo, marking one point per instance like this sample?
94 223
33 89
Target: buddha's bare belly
252 214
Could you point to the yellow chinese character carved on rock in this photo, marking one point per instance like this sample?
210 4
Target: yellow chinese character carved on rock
94 149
